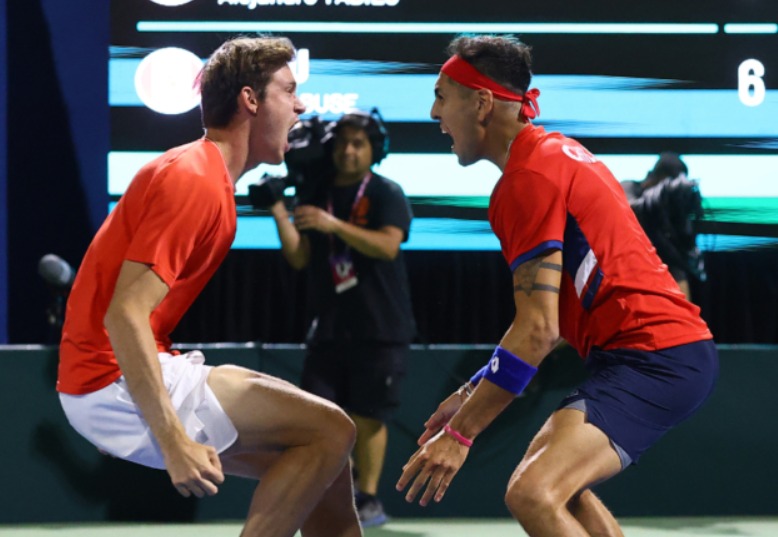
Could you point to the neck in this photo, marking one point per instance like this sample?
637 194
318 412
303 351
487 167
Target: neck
234 153
500 140
347 179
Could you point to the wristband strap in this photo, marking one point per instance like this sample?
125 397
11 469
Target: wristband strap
508 371
456 435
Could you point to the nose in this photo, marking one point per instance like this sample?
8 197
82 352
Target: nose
299 106
433 111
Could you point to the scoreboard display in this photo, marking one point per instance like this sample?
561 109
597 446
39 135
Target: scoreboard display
628 80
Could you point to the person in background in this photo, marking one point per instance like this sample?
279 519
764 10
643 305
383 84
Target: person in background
582 270
349 240
120 384
667 204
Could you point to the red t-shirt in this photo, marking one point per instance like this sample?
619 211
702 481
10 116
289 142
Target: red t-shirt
615 293
177 216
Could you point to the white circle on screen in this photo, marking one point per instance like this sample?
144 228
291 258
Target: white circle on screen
165 80
171 2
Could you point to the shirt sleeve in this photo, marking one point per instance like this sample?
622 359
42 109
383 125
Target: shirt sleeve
528 216
177 214
394 209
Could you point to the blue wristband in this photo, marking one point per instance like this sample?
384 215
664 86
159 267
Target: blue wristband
508 371
475 379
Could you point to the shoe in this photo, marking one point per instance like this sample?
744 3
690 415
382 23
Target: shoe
370 510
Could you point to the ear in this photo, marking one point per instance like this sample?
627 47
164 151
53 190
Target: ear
485 103
248 99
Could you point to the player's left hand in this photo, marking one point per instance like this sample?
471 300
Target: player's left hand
311 217
440 417
437 461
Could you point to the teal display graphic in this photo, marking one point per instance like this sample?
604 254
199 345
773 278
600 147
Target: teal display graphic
703 84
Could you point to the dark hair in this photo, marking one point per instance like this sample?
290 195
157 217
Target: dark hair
374 128
668 165
504 59
239 62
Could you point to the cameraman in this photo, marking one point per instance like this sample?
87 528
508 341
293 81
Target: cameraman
666 203
349 237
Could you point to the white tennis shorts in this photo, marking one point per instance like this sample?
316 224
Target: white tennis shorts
110 420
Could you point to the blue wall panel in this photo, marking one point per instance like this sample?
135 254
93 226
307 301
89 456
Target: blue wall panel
3 179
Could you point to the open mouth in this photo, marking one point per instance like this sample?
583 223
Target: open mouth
445 131
297 124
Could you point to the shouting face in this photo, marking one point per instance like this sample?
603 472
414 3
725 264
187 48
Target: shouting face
456 108
276 115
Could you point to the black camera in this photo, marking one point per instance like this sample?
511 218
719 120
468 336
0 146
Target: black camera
667 212
309 159
308 164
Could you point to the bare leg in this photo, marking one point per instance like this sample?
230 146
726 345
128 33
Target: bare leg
369 452
566 457
298 443
594 516
335 515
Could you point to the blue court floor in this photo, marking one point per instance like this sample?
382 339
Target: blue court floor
633 527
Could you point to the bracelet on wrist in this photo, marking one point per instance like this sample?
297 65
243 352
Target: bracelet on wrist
456 435
465 389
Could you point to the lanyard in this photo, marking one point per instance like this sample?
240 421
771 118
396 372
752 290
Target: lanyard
357 199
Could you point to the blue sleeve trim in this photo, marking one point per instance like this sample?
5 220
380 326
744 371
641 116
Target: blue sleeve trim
537 250
592 291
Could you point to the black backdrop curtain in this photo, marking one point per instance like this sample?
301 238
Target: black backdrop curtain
458 297
740 298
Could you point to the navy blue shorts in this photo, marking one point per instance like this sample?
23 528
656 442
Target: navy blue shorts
362 377
635 397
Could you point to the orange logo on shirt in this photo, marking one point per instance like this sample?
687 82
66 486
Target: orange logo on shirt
359 216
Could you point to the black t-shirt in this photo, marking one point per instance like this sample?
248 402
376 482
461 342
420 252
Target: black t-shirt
378 308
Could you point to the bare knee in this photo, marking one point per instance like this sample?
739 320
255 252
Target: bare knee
338 430
530 496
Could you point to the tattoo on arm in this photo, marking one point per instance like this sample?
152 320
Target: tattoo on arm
525 276
544 287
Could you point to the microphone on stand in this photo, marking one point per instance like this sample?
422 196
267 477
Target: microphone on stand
56 272
59 276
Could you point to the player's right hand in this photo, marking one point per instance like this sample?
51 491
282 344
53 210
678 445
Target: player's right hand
440 417
194 469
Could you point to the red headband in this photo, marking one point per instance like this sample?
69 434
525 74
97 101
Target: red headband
462 71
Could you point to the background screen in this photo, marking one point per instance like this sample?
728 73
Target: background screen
701 83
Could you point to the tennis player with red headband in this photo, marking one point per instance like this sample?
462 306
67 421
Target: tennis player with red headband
583 270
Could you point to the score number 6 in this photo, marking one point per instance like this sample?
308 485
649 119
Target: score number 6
750 85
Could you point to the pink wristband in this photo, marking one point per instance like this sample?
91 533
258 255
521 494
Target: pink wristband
456 435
